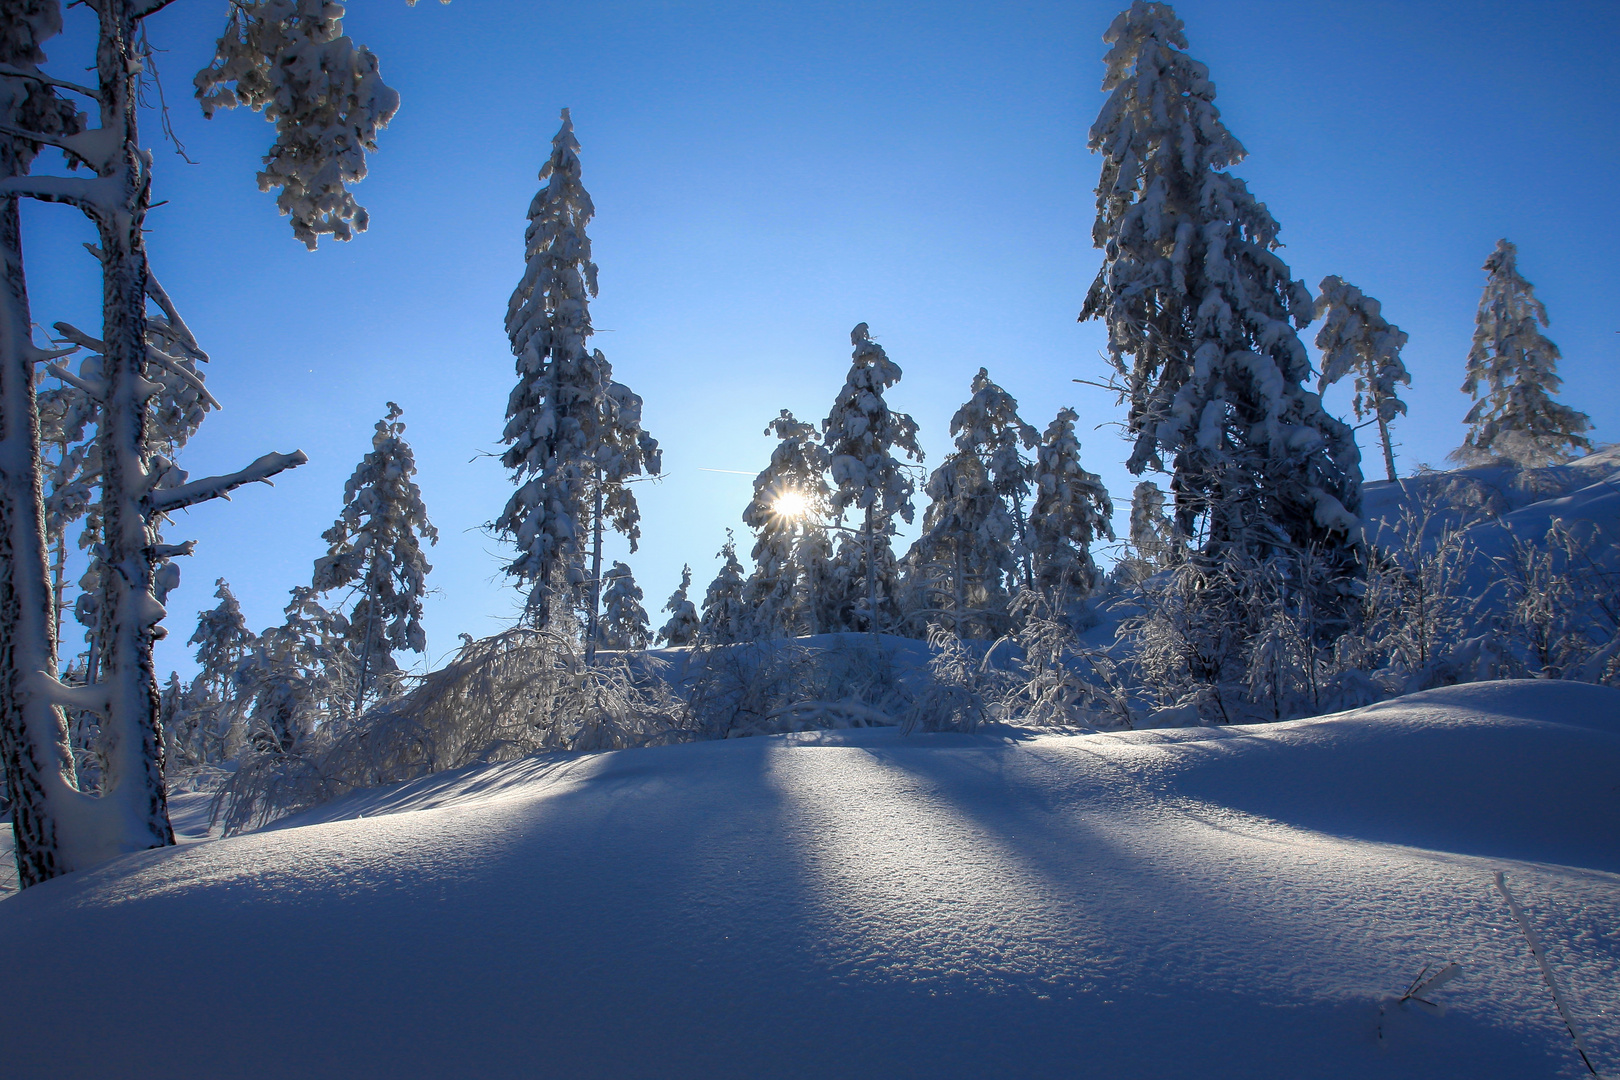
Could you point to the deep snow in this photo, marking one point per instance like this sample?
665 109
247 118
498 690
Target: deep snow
1188 903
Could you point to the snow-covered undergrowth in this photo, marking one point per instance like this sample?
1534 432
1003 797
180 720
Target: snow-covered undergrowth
1234 902
1482 573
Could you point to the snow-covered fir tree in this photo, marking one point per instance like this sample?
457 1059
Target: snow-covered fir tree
1355 337
213 700
1202 317
973 545
790 546
375 552
1512 373
299 676
624 620
573 435
1072 510
861 435
1154 540
625 452
683 624
725 618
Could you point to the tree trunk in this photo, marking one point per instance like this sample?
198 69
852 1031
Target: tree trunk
596 578
1389 450
960 586
871 575
34 742
133 804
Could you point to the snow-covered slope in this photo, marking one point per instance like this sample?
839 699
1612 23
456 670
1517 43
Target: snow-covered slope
1190 903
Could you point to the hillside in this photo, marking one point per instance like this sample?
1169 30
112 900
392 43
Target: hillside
1188 903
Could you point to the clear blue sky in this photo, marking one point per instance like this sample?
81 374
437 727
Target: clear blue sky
768 174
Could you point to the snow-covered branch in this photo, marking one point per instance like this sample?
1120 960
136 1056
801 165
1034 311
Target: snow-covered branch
190 378
91 698
219 487
72 333
93 389
179 330
48 80
93 196
151 7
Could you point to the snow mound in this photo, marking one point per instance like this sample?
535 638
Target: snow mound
1207 903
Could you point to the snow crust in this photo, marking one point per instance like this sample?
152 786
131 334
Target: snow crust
1232 902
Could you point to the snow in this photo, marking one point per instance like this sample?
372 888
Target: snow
1186 903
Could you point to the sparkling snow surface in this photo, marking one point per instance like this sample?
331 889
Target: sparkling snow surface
1186 903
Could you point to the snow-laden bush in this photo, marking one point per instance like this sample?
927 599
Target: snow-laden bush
764 687
518 693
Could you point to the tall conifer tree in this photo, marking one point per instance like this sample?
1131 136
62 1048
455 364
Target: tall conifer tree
375 549
1357 338
573 435
861 435
1512 373
1202 317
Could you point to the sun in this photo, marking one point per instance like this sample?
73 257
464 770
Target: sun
790 504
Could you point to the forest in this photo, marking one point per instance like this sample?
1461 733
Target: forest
1271 562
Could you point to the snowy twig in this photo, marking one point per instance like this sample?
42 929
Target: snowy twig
217 487
1540 954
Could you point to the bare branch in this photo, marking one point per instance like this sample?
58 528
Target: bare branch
220 487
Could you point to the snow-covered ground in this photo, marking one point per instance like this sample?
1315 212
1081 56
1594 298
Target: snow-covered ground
1191 903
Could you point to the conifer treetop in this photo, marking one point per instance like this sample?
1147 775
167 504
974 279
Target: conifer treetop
861 431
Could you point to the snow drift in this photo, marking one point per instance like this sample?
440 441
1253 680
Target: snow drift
1197 902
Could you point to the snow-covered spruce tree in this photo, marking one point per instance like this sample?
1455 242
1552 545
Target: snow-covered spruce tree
625 452
299 677
1072 509
973 538
1356 337
860 435
1512 371
376 552
790 546
725 619
331 105
223 641
1155 543
573 436
624 620
1202 317
683 624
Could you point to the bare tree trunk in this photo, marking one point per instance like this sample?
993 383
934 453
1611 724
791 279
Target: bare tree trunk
1389 450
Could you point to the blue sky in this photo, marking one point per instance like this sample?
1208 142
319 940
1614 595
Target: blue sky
766 175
